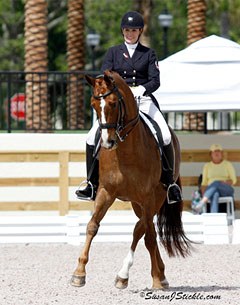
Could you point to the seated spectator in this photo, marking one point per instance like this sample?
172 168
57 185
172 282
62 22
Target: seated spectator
217 181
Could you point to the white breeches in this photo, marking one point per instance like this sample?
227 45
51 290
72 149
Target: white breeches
147 106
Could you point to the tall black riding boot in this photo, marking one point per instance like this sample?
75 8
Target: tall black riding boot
173 190
89 192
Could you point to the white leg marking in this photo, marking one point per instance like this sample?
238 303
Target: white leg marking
127 264
103 119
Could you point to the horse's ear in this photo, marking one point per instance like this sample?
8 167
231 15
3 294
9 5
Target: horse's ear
108 77
90 80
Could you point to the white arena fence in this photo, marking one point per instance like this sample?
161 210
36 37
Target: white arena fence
40 172
28 186
115 227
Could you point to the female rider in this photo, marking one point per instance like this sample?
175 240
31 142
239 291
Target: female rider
138 66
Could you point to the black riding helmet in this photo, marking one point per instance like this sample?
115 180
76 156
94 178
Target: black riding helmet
132 20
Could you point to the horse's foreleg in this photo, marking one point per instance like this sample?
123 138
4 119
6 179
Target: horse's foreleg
102 204
79 275
121 281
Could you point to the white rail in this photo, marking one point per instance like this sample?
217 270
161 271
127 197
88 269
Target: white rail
118 227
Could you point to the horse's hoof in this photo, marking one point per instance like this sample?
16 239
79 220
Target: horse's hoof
78 281
165 284
160 285
121 283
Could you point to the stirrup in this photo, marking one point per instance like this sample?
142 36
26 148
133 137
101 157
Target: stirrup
87 183
180 192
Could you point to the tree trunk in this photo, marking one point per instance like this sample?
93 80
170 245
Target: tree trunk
196 20
75 57
36 62
196 31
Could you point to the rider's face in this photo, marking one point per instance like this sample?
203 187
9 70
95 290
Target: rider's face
131 35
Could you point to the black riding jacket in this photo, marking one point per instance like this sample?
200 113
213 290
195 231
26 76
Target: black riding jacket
141 69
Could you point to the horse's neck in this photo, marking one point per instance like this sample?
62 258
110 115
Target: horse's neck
132 109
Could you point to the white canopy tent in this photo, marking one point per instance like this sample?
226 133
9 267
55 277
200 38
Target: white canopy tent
203 77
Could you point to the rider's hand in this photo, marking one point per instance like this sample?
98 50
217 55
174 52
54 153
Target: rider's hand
138 91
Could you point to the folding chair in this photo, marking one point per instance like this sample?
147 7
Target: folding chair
229 207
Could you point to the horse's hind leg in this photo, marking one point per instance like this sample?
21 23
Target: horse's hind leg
157 270
163 280
103 202
121 281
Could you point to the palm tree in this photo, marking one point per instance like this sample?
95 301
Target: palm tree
75 58
196 20
36 62
196 31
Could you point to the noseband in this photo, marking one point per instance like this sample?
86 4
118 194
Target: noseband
120 126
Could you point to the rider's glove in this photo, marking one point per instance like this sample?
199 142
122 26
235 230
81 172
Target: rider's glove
138 91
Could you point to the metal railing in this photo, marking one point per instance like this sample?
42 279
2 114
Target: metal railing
61 101
205 122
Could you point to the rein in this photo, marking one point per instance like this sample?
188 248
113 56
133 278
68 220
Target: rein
119 126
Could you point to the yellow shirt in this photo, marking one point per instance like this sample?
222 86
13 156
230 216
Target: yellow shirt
218 172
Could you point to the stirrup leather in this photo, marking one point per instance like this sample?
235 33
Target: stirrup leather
85 183
171 185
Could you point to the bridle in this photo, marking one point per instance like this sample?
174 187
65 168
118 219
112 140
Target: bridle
122 128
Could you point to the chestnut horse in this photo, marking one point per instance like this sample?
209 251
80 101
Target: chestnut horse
130 170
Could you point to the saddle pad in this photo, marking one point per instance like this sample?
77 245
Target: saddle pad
154 128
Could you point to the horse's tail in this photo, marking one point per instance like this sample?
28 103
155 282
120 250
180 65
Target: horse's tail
170 229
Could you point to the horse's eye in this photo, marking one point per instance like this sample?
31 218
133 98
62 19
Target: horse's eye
113 104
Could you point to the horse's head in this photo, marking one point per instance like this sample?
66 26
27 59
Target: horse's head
110 93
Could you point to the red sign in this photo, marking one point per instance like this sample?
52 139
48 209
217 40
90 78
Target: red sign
18 107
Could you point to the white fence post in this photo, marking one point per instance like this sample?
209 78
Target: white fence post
215 228
73 234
